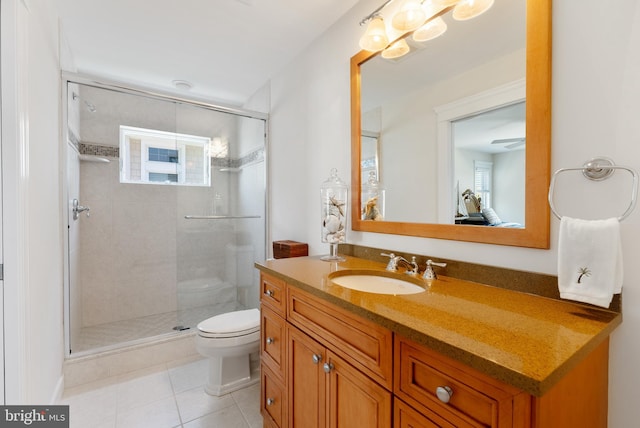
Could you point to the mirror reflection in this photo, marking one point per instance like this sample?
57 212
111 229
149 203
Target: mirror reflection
418 102
400 99
489 153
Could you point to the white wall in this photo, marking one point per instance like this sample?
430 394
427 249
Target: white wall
33 305
594 112
409 142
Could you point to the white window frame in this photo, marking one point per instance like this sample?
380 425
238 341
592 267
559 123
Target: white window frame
164 140
484 171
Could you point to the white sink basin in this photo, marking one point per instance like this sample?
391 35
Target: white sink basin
379 282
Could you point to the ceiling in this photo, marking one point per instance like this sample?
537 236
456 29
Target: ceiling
495 131
227 49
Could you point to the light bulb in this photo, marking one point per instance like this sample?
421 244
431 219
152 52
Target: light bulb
468 9
409 17
375 38
432 29
396 50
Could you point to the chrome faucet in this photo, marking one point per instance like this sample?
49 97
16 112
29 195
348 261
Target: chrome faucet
412 266
77 209
429 273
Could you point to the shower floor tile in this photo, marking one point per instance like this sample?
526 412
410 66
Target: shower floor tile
129 331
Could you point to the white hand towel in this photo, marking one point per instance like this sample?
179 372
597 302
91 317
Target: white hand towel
589 260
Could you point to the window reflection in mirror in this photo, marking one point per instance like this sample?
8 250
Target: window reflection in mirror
489 153
419 178
401 96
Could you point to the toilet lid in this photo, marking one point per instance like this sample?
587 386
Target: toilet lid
231 324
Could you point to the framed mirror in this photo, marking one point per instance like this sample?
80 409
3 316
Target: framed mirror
420 106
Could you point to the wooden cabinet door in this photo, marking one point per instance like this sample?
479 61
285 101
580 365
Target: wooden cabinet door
354 400
306 379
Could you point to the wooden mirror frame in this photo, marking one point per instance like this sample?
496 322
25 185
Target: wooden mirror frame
535 234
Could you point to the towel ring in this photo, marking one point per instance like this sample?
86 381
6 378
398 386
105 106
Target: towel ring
597 169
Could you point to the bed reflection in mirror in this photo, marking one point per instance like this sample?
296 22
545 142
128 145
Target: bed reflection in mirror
489 171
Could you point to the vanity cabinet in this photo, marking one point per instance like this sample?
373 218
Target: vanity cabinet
325 366
405 416
337 367
273 362
425 379
273 403
273 294
327 391
447 393
364 344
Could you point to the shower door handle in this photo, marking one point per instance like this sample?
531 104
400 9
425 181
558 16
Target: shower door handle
77 209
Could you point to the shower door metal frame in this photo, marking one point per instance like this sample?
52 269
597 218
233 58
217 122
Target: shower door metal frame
85 79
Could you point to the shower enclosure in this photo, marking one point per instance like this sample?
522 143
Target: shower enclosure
166 216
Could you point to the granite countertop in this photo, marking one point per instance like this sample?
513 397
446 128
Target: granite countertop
524 340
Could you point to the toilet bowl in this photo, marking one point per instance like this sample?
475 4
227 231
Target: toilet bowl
228 340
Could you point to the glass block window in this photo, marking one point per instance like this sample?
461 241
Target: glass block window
166 158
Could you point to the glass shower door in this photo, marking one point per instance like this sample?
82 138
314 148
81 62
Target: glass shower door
221 228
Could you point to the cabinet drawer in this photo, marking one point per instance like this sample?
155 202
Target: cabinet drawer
364 344
272 341
405 416
475 400
273 403
273 293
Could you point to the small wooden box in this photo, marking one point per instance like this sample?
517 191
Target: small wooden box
285 249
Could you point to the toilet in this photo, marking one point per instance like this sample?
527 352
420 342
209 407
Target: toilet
228 340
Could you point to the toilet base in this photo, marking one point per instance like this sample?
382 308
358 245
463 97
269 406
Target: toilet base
228 374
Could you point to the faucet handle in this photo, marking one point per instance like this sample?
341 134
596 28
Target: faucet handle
393 261
429 273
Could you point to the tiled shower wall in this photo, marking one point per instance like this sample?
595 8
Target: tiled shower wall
136 245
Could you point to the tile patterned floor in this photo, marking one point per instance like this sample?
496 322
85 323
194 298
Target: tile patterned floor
167 396
121 332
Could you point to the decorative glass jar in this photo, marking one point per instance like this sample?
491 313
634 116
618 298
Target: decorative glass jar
372 199
334 199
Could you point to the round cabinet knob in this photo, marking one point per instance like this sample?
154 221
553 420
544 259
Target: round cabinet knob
444 393
270 401
269 293
316 358
270 340
327 367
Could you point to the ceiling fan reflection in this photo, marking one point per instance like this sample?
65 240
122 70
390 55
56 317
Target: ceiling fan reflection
512 142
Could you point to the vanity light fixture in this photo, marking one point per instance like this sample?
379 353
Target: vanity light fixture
375 38
396 50
469 9
410 16
432 29
421 16
444 3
